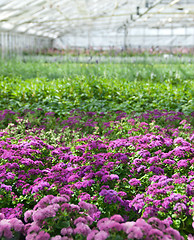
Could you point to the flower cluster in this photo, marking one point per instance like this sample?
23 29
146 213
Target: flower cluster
97 175
10 227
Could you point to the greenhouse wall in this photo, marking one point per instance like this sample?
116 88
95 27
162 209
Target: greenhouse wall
136 37
17 44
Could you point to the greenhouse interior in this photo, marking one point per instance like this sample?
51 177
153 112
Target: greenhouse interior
97 119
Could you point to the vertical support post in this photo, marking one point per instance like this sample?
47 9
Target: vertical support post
185 33
7 44
144 38
88 39
17 45
1 47
125 37
171 46
14 45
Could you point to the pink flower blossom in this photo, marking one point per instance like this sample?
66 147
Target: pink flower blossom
58 237
42 236
17 224
5 228
102 235
92 234
67 231
117 218
190 237
135 232
28 215
82 228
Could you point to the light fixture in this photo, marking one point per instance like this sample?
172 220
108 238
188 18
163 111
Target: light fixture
161 9
174 2
169 19
137 10
7 26
31 31
145 19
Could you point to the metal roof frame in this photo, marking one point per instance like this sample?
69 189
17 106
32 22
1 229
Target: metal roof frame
55 18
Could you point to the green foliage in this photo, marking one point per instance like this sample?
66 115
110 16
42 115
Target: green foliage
103 87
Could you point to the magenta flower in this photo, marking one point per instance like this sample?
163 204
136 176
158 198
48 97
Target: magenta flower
135 232
67 231
42 236
82 228
92 234
117 218
102 235
135 182
58 237
5 229
156 234
27 215
190 237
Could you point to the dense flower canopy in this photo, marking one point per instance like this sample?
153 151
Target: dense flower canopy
96 176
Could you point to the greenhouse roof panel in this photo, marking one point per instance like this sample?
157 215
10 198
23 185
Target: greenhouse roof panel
62 16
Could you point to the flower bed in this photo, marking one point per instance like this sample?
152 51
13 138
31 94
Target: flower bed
96 176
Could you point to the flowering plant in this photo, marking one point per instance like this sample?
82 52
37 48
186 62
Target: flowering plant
10 227
95 175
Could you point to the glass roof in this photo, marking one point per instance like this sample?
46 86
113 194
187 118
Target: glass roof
56 18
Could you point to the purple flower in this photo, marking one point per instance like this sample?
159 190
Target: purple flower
110 196
82 228
57 237
155 234
117 218
135 232
27 215
67 231
179 207
182 163
190 237
49 114
80 219
108 225
144 153
7 188
114 176
138 202
40 214
44 202
142 167
64 198
192 137
91 235
91 208
157 223
127 226
42 236
135 182
169 161
17 224
102 235
5 229
40 186
157 170
84 196
174 233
